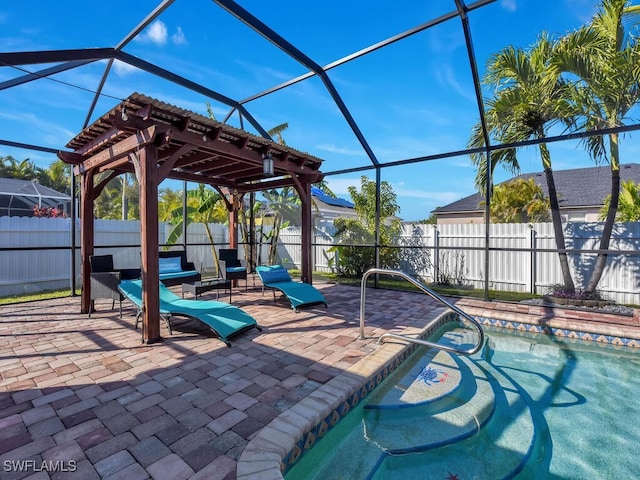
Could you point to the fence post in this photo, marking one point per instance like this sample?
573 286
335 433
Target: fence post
533 260
435 238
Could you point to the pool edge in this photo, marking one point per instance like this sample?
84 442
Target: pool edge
267 454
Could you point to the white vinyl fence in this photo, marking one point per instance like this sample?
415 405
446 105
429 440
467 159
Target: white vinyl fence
31 271
456 251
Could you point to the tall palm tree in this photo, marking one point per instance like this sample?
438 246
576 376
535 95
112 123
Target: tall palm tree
285 204
203 206
529 98
605 56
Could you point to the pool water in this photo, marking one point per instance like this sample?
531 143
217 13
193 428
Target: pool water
527 406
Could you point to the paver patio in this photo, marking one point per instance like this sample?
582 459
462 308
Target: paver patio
86 393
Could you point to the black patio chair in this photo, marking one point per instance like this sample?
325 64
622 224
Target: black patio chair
232 268
104 279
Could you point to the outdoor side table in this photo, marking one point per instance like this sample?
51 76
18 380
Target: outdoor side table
198 288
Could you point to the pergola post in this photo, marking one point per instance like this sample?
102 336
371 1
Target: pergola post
148 180
307 233
86 237
233 220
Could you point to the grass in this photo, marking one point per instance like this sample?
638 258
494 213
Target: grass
396 284
32 297
385 282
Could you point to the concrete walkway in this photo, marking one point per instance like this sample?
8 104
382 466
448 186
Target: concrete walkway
83 398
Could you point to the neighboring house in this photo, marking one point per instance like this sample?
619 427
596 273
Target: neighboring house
18 197
326 209
581 194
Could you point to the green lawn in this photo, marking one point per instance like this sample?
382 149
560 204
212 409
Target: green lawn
36 296
398 284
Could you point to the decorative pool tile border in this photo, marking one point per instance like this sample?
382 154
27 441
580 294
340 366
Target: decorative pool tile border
328 421
561 332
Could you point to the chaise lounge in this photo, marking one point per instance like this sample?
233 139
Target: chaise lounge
299 294
225 320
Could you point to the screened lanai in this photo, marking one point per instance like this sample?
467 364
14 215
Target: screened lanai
392 93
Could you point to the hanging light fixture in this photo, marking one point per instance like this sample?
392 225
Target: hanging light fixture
267 165
124 115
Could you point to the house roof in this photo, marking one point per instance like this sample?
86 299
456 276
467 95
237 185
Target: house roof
333 201
579 187
19 196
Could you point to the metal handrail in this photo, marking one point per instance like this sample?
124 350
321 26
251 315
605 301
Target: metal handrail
398 273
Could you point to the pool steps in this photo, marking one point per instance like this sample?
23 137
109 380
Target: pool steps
489 419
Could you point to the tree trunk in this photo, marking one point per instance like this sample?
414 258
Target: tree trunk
605 239
273 248
213 248
568 284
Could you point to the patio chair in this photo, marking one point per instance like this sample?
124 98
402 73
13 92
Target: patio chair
104 279
223 319
299 294
232 268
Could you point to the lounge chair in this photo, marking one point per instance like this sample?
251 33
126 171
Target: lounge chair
223 319
300 294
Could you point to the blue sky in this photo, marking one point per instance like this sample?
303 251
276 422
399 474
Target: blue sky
411 99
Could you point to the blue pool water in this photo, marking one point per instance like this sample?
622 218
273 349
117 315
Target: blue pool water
526 407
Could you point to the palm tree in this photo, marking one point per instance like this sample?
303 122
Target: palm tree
285 205
203 206
21 170
530 97
519 201
59 177
628 205
169 202
606 59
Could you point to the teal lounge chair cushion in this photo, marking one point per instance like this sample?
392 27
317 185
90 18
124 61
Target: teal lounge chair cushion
300 294
224 319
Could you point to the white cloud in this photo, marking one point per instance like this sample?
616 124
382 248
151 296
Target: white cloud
55 134
178 38
446 76
339 186
158 34
123 69
440 197
155 33
331 148
509 5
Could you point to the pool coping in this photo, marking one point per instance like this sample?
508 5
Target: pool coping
282 442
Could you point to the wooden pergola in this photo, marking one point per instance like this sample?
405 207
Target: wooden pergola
156 141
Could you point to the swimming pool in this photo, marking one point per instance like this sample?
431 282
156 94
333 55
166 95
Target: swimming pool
527 406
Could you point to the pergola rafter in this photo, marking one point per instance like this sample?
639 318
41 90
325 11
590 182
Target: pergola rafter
157 141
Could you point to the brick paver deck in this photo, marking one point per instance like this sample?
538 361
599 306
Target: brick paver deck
83 398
